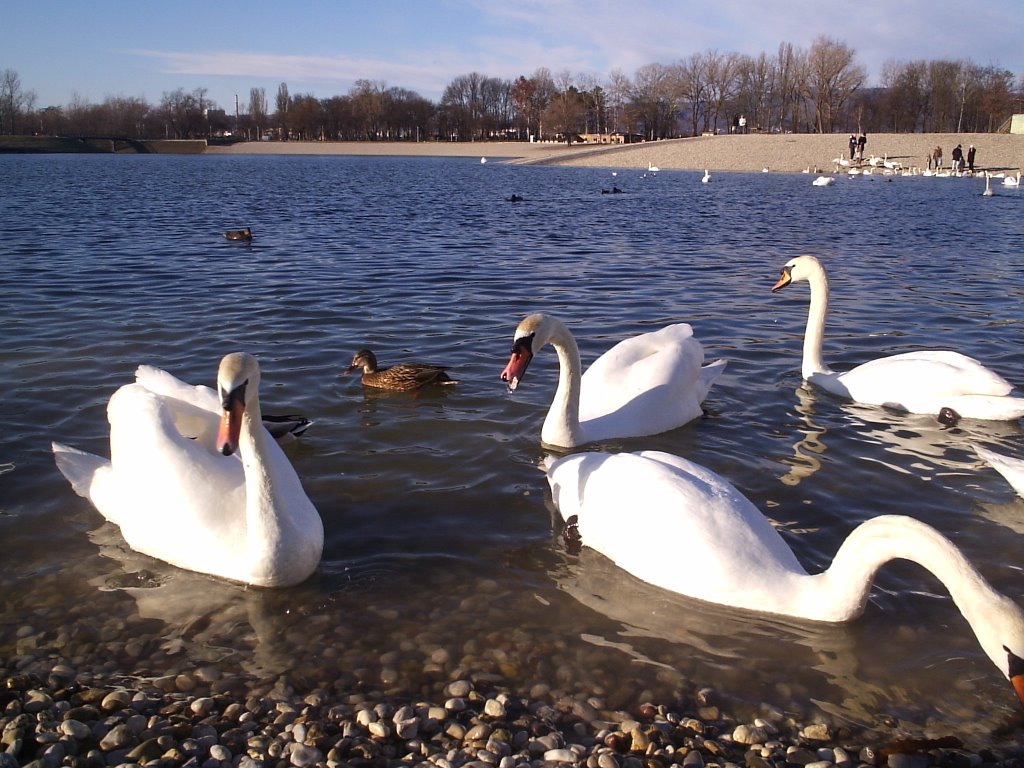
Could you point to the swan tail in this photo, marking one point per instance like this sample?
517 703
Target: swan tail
80 468
708 376
1011 469
988 407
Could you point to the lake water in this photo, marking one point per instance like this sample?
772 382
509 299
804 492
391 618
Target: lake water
442 555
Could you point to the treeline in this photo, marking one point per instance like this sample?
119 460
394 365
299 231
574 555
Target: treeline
818 90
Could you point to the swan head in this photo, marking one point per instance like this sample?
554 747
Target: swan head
531 335
795 270
238 386
1015 672
522 354
363 360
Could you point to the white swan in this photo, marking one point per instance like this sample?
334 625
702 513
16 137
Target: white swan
681 527
1012 181
652 168
706 177
179 491
1010 468
824 181
988 186
644 385
918 382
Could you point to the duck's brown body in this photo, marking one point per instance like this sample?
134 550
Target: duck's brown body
239 234
402 377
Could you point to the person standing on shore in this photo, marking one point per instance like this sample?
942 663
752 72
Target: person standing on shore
958 158
743 124
853 146
937 157
971 151
861 143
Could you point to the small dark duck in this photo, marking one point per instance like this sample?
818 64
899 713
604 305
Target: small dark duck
239 234
403 377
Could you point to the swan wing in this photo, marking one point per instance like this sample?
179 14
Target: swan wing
165 488
194 410
646 384
167 385
676 525
1010 468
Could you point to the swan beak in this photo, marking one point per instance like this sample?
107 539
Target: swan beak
231 420
1016 673
522 354
784 279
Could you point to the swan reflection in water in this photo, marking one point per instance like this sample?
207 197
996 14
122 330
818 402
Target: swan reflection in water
919 444
842 670
208 621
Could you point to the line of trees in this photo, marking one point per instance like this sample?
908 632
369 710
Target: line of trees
817 90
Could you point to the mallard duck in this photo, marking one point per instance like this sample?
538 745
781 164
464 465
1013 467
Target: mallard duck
402 377
239 234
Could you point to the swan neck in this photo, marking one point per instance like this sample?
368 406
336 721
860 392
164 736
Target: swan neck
562 424
260 484
874 543
815 332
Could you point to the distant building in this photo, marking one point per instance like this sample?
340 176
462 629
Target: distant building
1017 124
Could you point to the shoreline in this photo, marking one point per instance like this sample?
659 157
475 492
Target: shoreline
782 153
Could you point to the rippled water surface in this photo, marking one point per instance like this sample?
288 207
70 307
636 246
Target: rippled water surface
442 548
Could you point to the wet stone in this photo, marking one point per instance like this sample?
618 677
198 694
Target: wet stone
116 700
116 738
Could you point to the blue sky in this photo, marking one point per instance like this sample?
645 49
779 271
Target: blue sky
93 50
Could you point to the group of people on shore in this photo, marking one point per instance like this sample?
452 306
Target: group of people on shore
961 162
857 145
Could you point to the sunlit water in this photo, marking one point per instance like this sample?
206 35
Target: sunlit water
439 528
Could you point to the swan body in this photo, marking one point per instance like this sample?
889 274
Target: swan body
682 527
918 382
652 168
205 490
1010 468
823 181
1012 181
706 177
988 187
644 385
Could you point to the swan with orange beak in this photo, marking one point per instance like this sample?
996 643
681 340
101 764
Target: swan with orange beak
207 491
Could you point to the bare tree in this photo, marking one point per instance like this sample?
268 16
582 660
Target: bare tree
566 112
522 93
282 102
654 99
16 104
368 107
833 79
723 73
183 113
694 89
258 110
619 87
